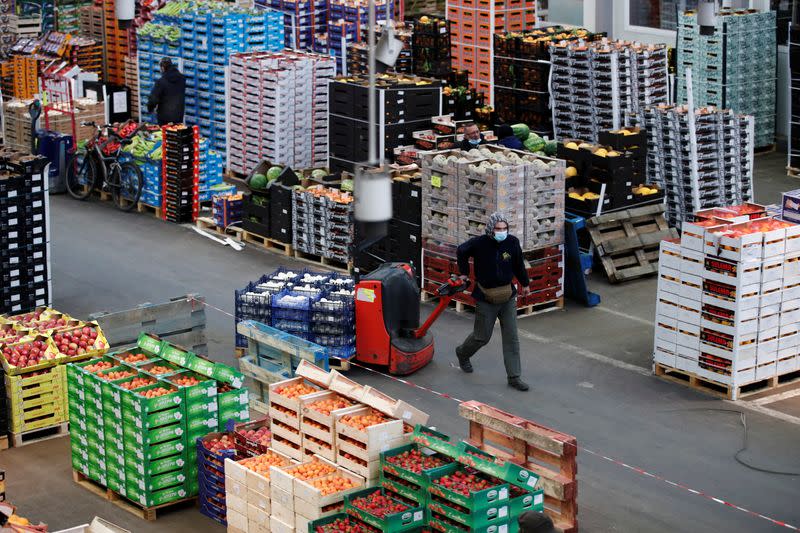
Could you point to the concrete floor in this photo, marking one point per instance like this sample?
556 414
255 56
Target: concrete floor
589 370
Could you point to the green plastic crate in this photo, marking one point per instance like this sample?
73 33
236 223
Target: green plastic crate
489 464
145 369
150 482
154 498
411 518
234 399
530 501
204 392
176 355
156 466
228 374
136 436
496 514
492 496
150 344
135 402
153 420
156 451
438 442
419 479
237 414
420 495
437 523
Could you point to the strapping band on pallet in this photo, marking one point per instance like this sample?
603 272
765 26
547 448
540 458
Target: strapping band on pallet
617 462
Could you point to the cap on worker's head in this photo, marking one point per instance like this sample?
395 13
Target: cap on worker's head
533 522
494 218
165 63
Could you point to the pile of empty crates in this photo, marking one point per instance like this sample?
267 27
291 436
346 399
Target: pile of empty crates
323 225
595 84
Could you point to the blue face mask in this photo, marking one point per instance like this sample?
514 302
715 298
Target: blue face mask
474 142
500 236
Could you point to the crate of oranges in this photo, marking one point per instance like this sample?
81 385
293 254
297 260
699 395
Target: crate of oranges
137 358
366 432
315 498
284 400
321 407
160 369
152 398
283 478
250 477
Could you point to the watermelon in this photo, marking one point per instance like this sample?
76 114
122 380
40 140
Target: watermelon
534 143
318 174
551 147
258 181
274 172
521 131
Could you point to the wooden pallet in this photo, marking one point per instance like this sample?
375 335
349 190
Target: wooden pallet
142 207
793 172
208 224
522 311
771 385
4 442
145 513
330 264
627 242
549 453
33 436
268 244
180 320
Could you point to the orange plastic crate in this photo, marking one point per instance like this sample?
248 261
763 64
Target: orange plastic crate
468 32
483 54
468 16
453 14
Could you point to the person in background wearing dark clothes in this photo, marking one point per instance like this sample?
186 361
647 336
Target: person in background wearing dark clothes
497 257
168 95
506 137
472 137
533 522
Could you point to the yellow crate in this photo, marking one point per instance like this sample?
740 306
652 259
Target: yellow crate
55 388
18 385
37 423
29 407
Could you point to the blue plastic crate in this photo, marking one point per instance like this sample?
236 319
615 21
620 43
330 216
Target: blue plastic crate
341 352
291 326
334 340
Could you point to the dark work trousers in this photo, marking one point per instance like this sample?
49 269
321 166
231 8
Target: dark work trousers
485 316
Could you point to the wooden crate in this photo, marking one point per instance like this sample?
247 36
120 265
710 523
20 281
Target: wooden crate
284 409
627 241
549 453
368 444
317 428
283 478
311 504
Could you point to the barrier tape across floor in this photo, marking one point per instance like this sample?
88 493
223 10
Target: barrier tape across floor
611 460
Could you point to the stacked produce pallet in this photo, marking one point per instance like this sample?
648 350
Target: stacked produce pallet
209 40
461 189
597 84
25 243
408 104
136 416
25 73
212 451
302 20
735 67
473 24
609 176
793 164
345 22
323 223
358 53
210 172
293 133
7 35
117 45
726 293
30 26
68 17
91 23
522 75
132 83
180 173
430 47
714 168
226 210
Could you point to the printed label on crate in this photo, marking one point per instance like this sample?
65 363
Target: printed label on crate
723 267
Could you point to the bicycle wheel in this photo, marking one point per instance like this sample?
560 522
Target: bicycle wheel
127 190
81 174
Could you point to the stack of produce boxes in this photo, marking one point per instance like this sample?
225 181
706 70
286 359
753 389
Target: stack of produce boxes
734 67
596 84
285 414
117 45
318 416
362 433
212 451
323 223
248 491
408 104
279 109
430 47
301 20
609 176
345 22
794 101
522 75
461 189
472 27
209 39
137 415
226 209
714 168
180 171
210 172
727 298
25 241
254 302
358 53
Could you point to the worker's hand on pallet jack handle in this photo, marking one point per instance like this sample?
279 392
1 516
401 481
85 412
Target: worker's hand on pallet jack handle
524 290
453 285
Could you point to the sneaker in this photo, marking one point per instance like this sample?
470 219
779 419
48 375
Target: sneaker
518 384
464 363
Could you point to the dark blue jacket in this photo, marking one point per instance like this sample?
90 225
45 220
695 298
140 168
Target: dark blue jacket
511 142
496 263
168 97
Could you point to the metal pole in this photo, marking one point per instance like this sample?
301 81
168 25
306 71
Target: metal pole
371 92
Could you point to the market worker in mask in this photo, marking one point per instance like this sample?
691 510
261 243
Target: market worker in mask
472 137
497 258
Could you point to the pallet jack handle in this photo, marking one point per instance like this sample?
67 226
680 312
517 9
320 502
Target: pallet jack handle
446 292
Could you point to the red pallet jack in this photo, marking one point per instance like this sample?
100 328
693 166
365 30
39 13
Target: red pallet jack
387 318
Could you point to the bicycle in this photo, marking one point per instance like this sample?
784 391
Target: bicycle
98 165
